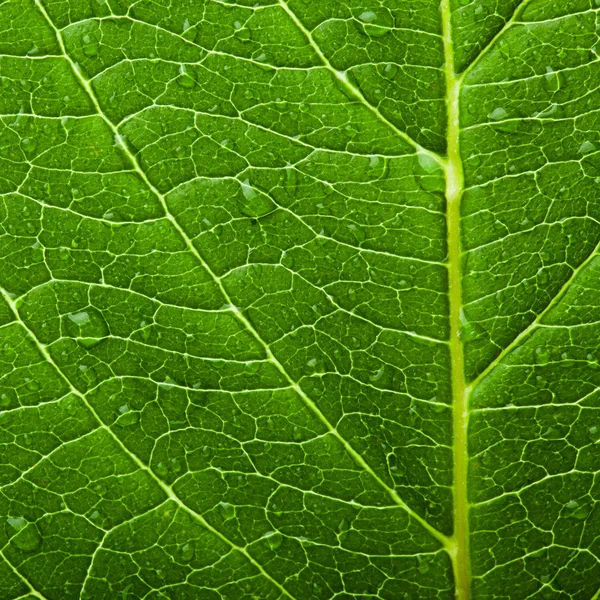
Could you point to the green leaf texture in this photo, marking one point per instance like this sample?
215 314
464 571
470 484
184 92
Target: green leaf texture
299 299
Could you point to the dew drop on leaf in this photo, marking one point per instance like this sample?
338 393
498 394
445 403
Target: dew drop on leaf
255 203
91 49
186 552
28 537
227 510
8 352
375 23
29 145
129 418
31 384
586 147
481 12
423 564
542 357
497 114
185 80
244 34
390 70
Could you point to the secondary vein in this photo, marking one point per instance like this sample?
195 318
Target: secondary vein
166 489
343 79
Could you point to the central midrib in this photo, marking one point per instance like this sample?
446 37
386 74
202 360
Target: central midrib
453 168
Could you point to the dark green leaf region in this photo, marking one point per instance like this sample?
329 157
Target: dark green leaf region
300 300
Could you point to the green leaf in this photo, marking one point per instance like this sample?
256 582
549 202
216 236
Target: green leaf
299 299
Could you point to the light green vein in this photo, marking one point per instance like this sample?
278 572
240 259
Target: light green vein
26 581
354 91
537 322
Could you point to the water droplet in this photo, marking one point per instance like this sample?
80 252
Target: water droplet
375 23
274 539
566 362
63 253
553 81
368 16
287 260
31 384
128 418
577 511
17 523
377 375
423 565
81 318
29 145
297 435
428 163
497 114
474 160
471 331
28 537
256 203
481 12
242 33
542 356
507 127
185 80
291 180
186 552
89 342
91 50
586 147
9 352
390 71
227 510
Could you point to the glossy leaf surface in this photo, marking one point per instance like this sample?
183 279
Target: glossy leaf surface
299 299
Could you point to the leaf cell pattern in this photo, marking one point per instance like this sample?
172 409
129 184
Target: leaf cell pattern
299 300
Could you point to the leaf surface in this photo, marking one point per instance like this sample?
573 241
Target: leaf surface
299 299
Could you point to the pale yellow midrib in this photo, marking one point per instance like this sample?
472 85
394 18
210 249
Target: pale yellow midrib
454 190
